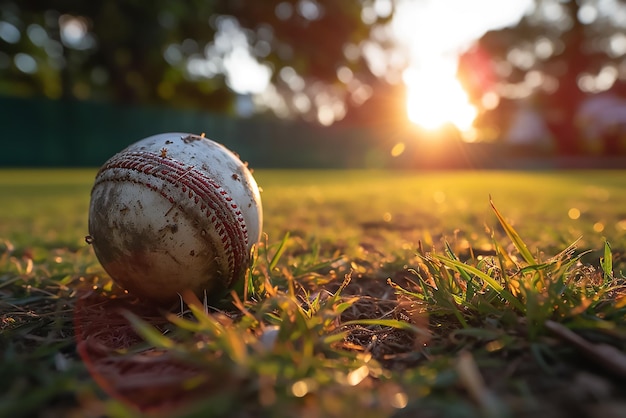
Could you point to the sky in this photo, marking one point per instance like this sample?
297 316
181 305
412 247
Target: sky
436 27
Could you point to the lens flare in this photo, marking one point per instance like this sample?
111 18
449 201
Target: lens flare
436 98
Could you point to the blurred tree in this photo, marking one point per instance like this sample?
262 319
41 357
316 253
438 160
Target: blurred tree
197 53
555 57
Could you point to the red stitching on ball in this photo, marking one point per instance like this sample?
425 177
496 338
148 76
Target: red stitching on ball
230 227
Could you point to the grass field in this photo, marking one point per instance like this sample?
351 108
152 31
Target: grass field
474 322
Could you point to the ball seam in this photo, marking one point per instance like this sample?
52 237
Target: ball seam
201 191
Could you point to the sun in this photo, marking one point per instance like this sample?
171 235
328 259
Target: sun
435 98
433 34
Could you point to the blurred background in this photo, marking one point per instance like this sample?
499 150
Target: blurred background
318 83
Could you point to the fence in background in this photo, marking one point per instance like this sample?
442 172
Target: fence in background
45 133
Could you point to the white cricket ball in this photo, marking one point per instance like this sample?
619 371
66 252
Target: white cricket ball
174 212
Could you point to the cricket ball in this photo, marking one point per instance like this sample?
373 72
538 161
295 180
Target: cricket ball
174 212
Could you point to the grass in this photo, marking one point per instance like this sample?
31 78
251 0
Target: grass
373 293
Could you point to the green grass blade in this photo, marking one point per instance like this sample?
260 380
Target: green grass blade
392 323
279 252
606 262
508 296
148 332
185 324
466 277
458 265
471 290
514 236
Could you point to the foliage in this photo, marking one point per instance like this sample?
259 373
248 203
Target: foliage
181 53
549 61
138 52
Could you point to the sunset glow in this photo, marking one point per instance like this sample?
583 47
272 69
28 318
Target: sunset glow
436 98
435 33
